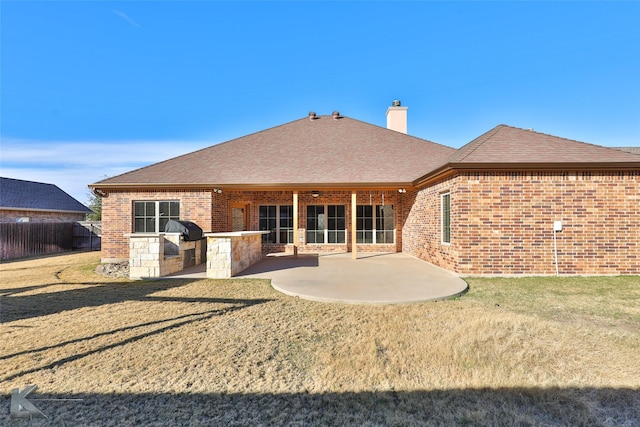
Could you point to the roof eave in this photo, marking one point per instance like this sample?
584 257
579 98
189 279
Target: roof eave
14 208
601 166
449 169
258 186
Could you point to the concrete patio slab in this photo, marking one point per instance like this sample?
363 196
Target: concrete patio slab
390 278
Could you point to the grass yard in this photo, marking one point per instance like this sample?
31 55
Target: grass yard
528 351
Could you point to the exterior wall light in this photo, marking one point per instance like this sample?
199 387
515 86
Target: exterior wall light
315 193
217 190
402 190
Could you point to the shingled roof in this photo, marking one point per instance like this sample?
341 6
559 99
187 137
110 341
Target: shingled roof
510 148
320 151
17 194
343 152
633 150
507 145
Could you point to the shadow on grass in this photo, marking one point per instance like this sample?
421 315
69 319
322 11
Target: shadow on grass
456 407
10 291
157 327
94 294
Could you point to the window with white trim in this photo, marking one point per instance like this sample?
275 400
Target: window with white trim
385 224
153 216
285 226
278 220
445 217
364 224
375 224
326 224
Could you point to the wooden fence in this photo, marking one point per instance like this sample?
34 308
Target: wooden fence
40 238
34 238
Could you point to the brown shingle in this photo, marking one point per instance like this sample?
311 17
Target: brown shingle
633 150
323 151
509 145
326 152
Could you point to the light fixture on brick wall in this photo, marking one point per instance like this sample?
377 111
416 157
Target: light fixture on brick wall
315 193
217 190
402 190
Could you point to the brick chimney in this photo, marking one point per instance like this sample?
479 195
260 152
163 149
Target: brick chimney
397 117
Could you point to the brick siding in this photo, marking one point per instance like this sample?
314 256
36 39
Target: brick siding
502 223
212 212
38 216
258 198
117 216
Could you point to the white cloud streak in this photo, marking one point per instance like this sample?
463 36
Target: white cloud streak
127 18
72 166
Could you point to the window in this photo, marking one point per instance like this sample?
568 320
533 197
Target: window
385 224
279 221
153 216
315 224
336 224
326 224
267 222
375 224
286 224
445 201
364 224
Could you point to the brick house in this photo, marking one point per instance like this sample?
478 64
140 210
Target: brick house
329 183
29 201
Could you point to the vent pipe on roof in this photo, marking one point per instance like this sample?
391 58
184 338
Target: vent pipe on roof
335 115
397 117
312 115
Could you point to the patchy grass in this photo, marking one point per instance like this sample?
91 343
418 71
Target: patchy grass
607 301
533 351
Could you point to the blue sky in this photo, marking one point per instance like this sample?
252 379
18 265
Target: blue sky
93 89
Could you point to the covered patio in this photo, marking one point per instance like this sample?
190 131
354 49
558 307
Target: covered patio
376 278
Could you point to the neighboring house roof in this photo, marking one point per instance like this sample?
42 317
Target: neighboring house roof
633 150
321 152
16 194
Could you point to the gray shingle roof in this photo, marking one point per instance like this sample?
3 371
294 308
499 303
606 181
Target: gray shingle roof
324 151
29 195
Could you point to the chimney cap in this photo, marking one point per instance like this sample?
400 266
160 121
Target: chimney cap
395 103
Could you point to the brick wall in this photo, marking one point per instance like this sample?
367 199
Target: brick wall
421 234
212 211
38 216
254 199
502 223
117 216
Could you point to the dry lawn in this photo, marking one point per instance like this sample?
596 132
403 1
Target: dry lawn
235 352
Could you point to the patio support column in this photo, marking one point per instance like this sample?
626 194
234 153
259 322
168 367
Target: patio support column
354 251
295 223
